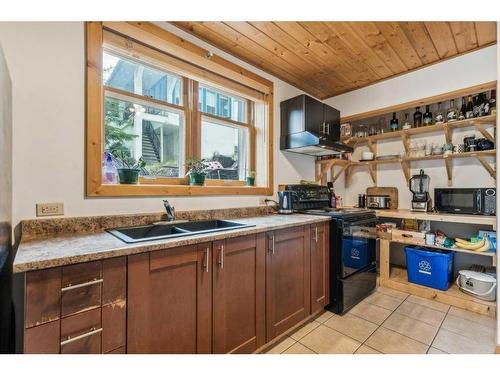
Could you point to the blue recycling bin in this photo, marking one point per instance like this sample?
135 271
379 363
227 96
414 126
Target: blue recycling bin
429 268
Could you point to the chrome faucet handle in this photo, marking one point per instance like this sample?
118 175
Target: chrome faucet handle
170 210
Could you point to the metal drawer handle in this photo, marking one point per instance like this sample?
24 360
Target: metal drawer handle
87 334
207 259
92 282
221 257
316 234
272 245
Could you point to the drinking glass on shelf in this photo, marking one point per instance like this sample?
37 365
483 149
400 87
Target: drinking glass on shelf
381 124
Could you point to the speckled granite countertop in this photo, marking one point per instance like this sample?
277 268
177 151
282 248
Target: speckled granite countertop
67 249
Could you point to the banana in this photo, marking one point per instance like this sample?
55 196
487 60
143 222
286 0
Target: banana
469 245
486 246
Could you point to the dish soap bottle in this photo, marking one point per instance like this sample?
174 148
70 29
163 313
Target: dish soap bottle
109 172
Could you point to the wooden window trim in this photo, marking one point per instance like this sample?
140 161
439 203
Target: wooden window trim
206 68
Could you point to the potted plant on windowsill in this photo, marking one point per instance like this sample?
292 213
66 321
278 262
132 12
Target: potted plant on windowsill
129 172
197 172
251 178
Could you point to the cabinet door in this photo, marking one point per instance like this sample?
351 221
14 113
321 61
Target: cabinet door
314 116
319 266
239 294
332 122
169 301
288 299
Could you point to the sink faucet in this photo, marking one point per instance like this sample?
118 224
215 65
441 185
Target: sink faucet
170 210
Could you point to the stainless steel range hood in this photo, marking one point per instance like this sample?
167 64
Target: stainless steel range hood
310 144
310 127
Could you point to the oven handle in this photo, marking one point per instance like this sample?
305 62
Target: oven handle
357 223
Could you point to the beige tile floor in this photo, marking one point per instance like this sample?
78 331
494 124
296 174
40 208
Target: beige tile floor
393 322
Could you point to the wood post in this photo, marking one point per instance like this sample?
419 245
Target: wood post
385 256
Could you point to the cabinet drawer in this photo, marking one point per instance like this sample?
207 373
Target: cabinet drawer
43 294
81 333
42 339
81 287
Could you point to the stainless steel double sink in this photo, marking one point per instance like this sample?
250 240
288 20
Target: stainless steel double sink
160 231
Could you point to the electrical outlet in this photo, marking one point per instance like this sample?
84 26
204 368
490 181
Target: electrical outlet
49 209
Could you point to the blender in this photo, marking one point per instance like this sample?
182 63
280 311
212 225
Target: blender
419 186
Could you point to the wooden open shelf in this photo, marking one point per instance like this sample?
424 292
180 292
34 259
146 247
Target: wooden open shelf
441 217
326 165
489 254
478 121
398 280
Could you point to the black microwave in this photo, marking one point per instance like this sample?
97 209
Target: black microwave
472 201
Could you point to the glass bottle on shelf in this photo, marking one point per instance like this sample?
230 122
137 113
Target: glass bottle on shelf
394 122
493 102
427 116
476 105
469 112
417 118
463 110
373 129
407 124
451 114
381 125
439 115
484 108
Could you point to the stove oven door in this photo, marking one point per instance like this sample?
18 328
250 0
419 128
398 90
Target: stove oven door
358 246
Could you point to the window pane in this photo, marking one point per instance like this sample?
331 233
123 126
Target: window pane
133 130
221 104
227 145
131 76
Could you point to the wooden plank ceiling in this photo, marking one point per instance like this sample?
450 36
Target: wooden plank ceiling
329 58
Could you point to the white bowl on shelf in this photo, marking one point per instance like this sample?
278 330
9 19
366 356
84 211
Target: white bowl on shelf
367 155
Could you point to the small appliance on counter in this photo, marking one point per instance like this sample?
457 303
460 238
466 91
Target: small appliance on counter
285 202
468 201
419 186
389 200
295 197
378 201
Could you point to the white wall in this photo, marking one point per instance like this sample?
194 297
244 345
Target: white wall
5 158
464 71
47 65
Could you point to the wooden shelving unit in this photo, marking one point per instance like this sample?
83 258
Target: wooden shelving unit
325 166
396 278
453 296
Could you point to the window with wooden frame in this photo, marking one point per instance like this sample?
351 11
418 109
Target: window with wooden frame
155 96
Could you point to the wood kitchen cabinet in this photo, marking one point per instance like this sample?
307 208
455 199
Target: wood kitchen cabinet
320 266
76 309
227 296
169 301
239 294
288 283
